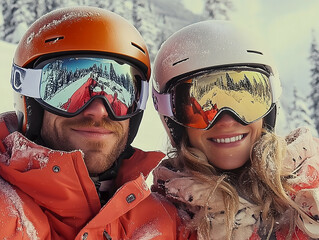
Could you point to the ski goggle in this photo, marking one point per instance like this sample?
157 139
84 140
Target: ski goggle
65 86
197 101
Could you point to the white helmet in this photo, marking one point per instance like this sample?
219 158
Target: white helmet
206 45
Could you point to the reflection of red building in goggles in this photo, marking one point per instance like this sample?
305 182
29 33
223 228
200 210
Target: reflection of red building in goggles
197 101
66 86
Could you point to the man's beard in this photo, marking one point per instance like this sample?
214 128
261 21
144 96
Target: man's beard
95 160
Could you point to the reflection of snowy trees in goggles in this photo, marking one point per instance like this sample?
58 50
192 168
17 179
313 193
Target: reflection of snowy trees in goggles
198 100
68 84
253 82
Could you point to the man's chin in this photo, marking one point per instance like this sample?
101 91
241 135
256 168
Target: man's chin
99 157
98 162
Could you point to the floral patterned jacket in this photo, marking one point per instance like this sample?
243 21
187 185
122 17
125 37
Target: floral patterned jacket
190 195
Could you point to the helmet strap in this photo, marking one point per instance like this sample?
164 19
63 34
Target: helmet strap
135 122
176 131
34 119
270 119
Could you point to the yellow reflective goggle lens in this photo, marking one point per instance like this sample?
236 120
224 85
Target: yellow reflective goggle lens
245 93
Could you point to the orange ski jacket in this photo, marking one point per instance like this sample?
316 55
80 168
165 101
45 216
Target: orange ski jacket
48 194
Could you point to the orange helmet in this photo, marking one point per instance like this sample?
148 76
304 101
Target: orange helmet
71 31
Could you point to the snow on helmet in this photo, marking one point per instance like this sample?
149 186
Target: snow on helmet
208 45
71 31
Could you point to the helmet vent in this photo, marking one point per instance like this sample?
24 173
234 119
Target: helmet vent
253 51
183 60
53 39
137 46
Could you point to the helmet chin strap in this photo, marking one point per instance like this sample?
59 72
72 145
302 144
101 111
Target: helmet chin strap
175 131
135 122
34 117
270 119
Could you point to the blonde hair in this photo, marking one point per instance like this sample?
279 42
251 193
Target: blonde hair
264 182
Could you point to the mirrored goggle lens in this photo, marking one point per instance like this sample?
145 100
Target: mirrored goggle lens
67 85
198 101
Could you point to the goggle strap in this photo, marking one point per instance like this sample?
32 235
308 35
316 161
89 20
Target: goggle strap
276 88
144 95
26 81
162 103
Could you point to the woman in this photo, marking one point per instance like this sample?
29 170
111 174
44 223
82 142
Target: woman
229 174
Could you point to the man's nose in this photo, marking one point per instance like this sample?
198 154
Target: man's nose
96 109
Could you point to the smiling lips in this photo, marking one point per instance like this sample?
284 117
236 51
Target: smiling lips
228 140
94 132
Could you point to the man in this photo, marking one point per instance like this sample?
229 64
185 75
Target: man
71 173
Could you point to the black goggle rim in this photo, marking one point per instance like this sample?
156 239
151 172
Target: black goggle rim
171 85
109 109
112 115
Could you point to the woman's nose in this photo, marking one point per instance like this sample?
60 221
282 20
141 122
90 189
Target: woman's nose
226 120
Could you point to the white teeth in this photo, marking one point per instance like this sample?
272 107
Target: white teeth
228 140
